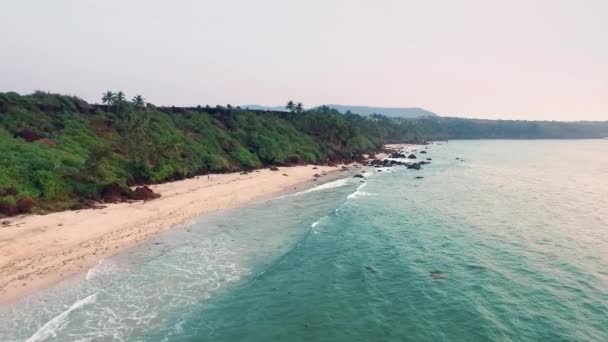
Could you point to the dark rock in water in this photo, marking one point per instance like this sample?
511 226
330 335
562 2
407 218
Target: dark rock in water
358 176
422 162
419 177
412 156
429 158
396 155
437 275
379 170
316 175
414 166
285 175
423 152
371 269
314 167
274 168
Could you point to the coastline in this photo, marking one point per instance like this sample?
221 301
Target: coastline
37 251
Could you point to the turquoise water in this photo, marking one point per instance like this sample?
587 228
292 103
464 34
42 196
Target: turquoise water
510 244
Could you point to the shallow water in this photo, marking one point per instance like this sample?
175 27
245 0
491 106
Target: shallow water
509 244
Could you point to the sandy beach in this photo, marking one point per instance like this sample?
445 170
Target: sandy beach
39 250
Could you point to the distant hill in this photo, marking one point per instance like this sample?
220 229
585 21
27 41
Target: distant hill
392 112
363 110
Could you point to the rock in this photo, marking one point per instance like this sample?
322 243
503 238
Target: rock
143 193
429 158
396 155
24 205
358 176
286 175
295 160
274 168
29 135
112 193
8 209
423 152
411 156
419 177
314 167
379 170
414 166
6 223
316 175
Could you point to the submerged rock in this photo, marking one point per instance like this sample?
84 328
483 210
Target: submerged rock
437 275
358 176
371 269
414 166
412 156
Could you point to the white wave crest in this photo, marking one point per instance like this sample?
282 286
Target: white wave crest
51 328
330 185
358 192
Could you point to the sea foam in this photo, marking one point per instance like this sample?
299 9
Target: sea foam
51 328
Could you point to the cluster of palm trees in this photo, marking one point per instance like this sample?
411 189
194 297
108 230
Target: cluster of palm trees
295 107
116 99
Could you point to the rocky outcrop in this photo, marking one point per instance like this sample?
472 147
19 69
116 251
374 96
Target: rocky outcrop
143 193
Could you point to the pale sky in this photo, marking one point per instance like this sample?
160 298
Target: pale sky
523 59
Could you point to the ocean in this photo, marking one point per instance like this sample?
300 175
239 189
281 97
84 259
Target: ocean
509 242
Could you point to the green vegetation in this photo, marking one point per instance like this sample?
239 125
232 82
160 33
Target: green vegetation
59 152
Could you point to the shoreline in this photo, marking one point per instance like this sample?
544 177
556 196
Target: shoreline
38 251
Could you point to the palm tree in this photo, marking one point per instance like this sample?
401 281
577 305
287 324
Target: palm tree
119 98
108 98
138 101
299 107
290 105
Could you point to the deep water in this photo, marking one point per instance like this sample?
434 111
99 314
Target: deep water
508 244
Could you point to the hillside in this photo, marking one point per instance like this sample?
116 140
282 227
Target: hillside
59 152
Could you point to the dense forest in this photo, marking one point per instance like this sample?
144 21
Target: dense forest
59 152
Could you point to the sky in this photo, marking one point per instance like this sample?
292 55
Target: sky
510 59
